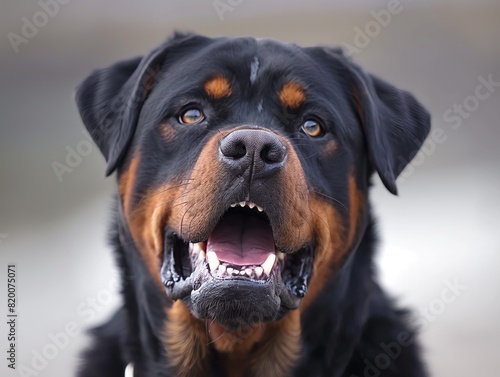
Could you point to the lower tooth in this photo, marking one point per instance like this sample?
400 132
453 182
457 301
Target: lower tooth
259 271
269 263
213 261
248 271
229 270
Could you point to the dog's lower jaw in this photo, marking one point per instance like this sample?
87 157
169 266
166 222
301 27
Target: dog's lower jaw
270 349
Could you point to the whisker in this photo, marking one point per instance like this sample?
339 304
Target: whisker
332 198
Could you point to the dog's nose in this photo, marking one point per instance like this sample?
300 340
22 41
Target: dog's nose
247 148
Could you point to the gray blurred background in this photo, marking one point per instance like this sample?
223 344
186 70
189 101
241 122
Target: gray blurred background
442 230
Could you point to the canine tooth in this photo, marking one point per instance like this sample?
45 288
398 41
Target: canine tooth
269 263
260 208
259 271
213 261
242 204
251 205
197 248
229 270
201 255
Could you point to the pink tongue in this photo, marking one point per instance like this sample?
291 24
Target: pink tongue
241 239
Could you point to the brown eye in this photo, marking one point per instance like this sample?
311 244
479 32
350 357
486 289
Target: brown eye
191 116
312 128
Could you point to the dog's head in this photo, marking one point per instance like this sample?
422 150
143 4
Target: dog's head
243 166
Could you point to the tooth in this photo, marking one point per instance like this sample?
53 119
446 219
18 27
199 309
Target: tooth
269 263
196 248
251 205
221 271
281 256
259 271
233 205
229 270
260 208
248 271
213 261
235 272
201 255
242 204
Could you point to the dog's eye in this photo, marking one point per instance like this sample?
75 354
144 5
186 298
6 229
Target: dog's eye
312 128
191 116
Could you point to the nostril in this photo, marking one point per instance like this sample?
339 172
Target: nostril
273 153
233 149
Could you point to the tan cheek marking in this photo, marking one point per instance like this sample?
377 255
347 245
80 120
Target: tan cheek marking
127 180
333 240
186 342
146 217
218 87
294 193
135 215
292 95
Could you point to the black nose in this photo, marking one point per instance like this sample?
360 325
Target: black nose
247 148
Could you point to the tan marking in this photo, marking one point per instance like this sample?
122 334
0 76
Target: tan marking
218 87
269 349
186 342
333 240
145 216
126 181
281 351
330 147
167 132
292 95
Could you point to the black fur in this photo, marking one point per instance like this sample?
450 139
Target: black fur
351 327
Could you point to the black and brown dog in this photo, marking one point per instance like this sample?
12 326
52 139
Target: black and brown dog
243 227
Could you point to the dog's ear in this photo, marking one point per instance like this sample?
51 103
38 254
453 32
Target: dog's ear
394 123
110 100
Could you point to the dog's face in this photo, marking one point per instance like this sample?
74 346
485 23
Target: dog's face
243 166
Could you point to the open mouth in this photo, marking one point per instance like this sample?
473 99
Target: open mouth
239 252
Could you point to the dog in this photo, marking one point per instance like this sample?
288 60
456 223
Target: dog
243 227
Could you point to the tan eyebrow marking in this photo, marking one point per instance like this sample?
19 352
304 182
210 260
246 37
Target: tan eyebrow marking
218 87
292 95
